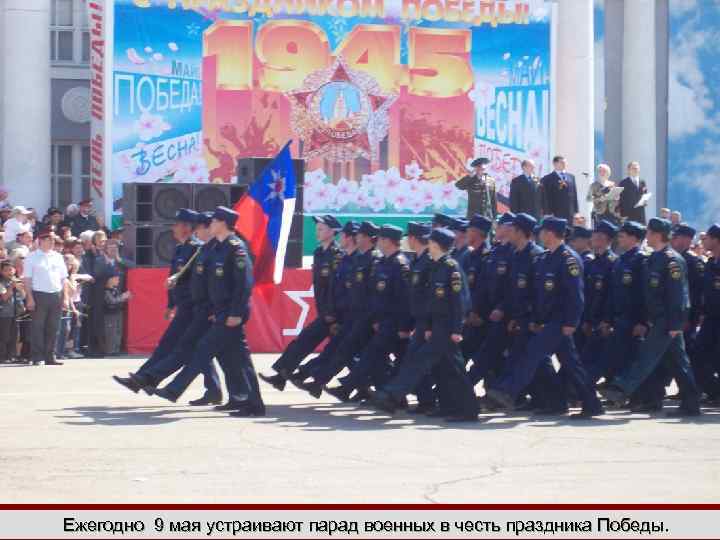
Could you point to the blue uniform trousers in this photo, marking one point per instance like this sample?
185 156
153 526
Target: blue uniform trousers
550 339
351 343
307 341
374 364
659 348
441 357
176 346
705 357
230 348
489 357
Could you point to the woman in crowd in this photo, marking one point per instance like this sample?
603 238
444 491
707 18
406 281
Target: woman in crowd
72 316
603 208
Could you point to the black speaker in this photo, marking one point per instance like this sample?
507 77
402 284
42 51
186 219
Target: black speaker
149 244
150 202
207 197
249 169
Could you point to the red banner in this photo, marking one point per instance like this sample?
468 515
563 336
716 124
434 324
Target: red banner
271 327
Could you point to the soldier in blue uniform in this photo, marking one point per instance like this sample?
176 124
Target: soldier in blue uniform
598 282
339 305
580 242
448 304
706 356
519 307
625 319
558 308
230 283
441 220
682 238
460 250
360 316
183 303
492 296
668 302
390 316
474 266
325 260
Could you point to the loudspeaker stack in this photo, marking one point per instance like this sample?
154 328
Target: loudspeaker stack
149 210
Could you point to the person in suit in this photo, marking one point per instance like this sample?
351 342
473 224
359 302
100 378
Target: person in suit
635 188
526 192
560 191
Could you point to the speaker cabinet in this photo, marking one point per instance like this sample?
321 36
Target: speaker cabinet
150 203
149 244
207 197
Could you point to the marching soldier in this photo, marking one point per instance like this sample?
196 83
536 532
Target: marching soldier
681 241
461 250
558 309
481 190
495 287
598 282
625 317
474 266
325 260
580 239
704 358
188 292
389 313
668 302
440 354
361 329
230 283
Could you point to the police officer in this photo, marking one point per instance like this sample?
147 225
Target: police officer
481 190
189 298
230 283
681 241
493 293
390 315
625 317
558 310
360 317
325 260
474 266
668 302
461 249
705 362
449 301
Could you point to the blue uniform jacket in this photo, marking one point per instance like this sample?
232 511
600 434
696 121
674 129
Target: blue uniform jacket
711 290
230 279
598 284
325 262
180 295
449 297
390 300
696 271
199 278
627 295
559 288
519 303
666 291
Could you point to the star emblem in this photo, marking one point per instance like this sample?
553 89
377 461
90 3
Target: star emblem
299 298
277 187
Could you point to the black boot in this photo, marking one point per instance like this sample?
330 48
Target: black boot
127 382
207 399
277 381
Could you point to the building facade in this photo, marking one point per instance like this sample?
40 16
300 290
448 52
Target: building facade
616 83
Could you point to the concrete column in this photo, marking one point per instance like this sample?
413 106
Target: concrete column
574 91
639 133
25 101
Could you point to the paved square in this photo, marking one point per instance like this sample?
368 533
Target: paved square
72 435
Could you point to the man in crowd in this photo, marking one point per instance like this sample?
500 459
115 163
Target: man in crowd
526 192
44 277
84 220
634 188
560 191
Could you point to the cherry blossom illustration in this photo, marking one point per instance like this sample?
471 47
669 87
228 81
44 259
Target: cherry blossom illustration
346 192
134 57
192 169
150 126
413 170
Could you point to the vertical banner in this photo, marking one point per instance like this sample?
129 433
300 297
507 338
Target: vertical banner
388 101
100 67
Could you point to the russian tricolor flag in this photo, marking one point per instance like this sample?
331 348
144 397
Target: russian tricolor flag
265 215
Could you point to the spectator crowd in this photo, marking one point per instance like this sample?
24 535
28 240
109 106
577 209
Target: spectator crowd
62 285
